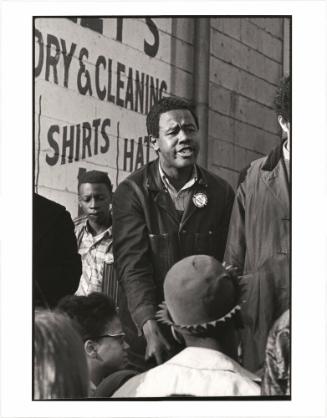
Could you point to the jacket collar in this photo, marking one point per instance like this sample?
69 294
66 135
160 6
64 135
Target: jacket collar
273 169
154 182
82 225
273 158
207 358
162 198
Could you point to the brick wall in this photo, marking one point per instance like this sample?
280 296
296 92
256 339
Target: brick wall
246 63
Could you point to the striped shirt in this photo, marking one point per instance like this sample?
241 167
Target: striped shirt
97 260
181 197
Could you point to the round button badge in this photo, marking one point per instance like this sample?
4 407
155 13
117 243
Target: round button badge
200 200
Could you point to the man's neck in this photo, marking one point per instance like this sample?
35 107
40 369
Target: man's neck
228 347
204 343
178 177
95 375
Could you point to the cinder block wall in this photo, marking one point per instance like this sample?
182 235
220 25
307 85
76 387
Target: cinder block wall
95 80
88 114
246 63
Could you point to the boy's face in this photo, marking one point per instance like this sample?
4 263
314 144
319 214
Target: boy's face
94 199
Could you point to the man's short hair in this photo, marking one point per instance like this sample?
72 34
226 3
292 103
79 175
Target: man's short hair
282 101
95 176
165 105
90 313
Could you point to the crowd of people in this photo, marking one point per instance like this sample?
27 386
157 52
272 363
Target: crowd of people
172 285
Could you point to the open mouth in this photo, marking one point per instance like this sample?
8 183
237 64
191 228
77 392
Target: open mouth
94 214
186 152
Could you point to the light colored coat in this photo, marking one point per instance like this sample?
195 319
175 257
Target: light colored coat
195 371
259 245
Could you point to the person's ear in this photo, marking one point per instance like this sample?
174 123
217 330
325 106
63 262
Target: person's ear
155 143
282 122
285 125
91 349
177 336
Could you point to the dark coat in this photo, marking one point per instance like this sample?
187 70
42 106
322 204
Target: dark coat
57 265
148 238
259 245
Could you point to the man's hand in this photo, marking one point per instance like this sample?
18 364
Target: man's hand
157 346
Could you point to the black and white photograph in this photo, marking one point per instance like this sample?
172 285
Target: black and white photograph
163 249
167 141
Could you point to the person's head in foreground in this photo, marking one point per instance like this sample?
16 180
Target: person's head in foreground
173 127
101 331
282 104
60 367
201 307
202 304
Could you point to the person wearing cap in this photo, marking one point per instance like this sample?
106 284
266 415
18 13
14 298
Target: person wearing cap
94 235
259 238
169 209
201 306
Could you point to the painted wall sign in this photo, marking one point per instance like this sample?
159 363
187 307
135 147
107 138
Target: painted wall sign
95 80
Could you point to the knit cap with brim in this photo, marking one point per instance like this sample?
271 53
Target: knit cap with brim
198 292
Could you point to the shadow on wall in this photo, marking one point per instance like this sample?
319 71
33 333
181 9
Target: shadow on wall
181 86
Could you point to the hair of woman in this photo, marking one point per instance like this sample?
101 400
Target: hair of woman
60 366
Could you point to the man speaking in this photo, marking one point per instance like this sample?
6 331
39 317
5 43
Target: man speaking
167 210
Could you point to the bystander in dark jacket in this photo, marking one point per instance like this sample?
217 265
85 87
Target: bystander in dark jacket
57 265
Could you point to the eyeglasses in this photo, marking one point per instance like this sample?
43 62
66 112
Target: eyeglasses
117 335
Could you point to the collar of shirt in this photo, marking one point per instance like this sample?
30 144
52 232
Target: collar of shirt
187 185
205 368
98 237
207 358
92 388
286 151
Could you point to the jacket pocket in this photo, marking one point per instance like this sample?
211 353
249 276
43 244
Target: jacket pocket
199 243
164 253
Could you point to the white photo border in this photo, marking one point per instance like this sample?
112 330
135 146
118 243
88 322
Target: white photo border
309 239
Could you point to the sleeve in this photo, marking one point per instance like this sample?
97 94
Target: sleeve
225 220
113 382
132 255
235 247
68 256
276 371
